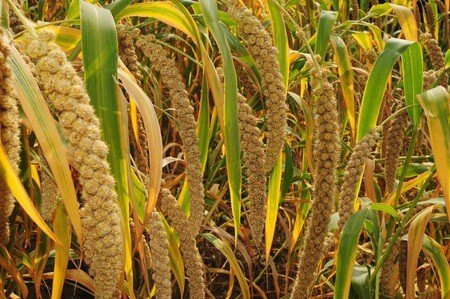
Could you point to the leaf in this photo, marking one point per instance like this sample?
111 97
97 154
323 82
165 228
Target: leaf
407 21
346 75
234 263
118 5
273 203
360 281
415 239
436 103
43 124
18 191
440 261
380 10
164 11
7 263
347 253
274 196
63 230
153 133
376 84
412 66
379 206
176 261
100 59
230 116
326 21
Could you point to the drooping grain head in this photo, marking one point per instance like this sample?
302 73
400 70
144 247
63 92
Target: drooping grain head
259 44
160 262
188 247
127 51
9 134
326 161
101 221
187 124
352 175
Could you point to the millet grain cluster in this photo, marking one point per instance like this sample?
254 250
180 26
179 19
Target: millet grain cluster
9 134
187 124
326 161
259 44
100 215
352 175
191 256
159 257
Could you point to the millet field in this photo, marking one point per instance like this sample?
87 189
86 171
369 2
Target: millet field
225 149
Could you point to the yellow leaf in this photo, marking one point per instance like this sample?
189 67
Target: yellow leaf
436 104
18 191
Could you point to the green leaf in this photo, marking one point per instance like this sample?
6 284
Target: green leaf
346 75
231 121
100 59
274 196
347 253
376 84
380 206
412 66
118 5
360 282
440 261
380 10
326 22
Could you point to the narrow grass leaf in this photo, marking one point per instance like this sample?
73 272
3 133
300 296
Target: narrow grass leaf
153 133
348 246
346 75
234 263
326 21
415 239
18 191
376 84
38 114
274 196
99 45
436 103
63 231
434 250
230 116
176 261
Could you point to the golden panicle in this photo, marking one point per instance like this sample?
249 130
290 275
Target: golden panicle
100 214
253 152
248 86
49 196
394 146
187 124
259 44
326 161
353 172
253 158
127 51
9 134
160 263
436 55
188 247
390 274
